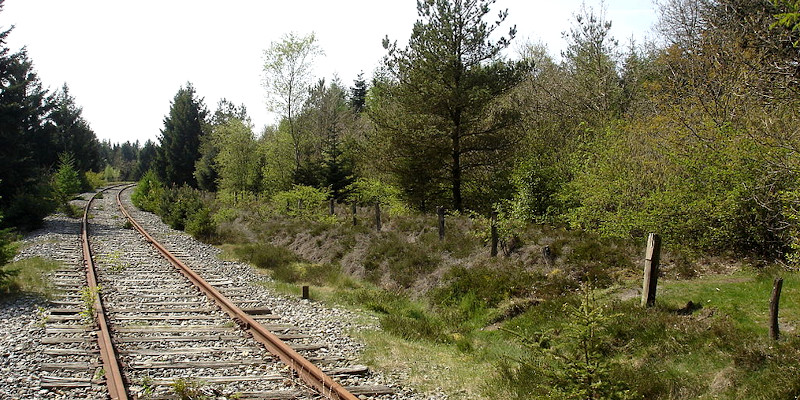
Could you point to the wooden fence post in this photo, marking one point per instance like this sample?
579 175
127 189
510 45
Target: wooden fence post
305 292
440 213
651 260
332 205
353 209
774 331
378 216
495 239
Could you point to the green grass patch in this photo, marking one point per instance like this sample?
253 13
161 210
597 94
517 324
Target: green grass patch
28 276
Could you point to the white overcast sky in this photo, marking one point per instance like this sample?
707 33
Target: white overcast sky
125 60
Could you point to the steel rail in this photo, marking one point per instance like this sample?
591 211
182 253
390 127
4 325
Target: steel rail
306 370
111 367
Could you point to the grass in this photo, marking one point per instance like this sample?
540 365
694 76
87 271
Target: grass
29 277
744 296
470 335
429 368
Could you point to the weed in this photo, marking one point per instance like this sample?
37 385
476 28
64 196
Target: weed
148 387
189 389
99 373
88 298
41 316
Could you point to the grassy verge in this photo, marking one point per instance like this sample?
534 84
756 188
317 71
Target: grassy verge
717 348
519 327
27 276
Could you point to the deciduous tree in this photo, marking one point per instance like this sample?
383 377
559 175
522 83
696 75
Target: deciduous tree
288 67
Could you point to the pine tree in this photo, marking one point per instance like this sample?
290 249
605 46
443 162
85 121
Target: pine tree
442 109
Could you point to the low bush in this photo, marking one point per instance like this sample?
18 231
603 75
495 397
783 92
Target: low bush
148 193
304 202
265 255
490 283
405 262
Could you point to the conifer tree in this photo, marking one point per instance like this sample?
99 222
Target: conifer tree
441 106
180 139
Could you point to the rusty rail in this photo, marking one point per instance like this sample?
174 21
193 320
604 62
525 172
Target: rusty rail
108 355
307 371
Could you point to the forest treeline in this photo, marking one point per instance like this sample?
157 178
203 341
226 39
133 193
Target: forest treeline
693 135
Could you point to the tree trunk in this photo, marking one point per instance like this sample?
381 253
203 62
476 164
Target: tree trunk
456 169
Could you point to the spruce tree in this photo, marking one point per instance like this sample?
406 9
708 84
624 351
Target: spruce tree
180 139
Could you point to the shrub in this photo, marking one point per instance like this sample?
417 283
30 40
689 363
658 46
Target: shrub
265 255
148 193
405 262
185 208
570 362
490 283
370 191
95 179
304 202
66 182
27 210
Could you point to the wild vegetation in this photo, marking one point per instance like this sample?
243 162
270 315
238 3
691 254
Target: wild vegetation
579 155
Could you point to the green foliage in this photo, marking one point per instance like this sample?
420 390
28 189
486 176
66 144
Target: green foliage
66 182
265 255
88 298
287 68
303 202
27 276
95 179
490 283
111 174
27 209
701 197
7 251
367 192
179 148
190 389
278 170
237 160
439 104
185 208
148 193
572 363
509 228
405 262
789 19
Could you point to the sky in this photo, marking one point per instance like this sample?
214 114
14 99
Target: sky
124 61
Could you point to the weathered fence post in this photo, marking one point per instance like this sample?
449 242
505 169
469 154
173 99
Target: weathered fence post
547 255
774 331
440 213
378 216
332 205
495 239
651 259
353 209
305 292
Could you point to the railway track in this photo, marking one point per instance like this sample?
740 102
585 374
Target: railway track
144 324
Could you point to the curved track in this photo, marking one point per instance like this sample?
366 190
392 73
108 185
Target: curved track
165 330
